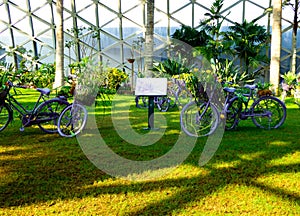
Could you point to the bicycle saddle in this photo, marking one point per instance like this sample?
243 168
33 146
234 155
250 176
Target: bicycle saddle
44 91
229 89
250 86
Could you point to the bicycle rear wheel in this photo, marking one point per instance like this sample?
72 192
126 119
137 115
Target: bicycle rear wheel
5 116
199 121
163 103
48 112
268 112
72 120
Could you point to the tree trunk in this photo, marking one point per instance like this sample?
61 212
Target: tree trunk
149 38
59 56
276 45
294 38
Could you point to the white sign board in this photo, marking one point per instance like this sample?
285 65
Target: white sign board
151 86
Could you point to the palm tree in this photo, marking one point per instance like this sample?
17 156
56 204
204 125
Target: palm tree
149 38
295 8
250 40
59 57
276 45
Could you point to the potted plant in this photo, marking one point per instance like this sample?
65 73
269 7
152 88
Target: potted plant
88 82
131 59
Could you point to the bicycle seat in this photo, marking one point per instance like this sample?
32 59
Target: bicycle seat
229 89
250 86
44 91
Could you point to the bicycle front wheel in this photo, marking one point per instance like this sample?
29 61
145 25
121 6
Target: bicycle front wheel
48 112
233 110
72 120
268 112
199 121
141 102
5 116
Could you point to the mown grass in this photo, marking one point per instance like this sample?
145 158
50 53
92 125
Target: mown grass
253 172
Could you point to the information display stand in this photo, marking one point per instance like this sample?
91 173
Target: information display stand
151 88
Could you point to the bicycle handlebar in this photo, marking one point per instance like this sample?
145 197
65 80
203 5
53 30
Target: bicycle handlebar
10 84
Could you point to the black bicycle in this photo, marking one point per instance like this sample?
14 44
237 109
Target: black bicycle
202 118
162 102
45 112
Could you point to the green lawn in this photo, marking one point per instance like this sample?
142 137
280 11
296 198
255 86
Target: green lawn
253 172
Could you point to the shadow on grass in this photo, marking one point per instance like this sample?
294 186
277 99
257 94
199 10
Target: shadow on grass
37 167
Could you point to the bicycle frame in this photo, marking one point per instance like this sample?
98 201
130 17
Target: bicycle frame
27 116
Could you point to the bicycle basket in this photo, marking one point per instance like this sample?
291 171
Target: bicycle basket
85 95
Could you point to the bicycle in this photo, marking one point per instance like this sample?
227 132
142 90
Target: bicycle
265 111
162 102
202 119
44 114
178 93
72 120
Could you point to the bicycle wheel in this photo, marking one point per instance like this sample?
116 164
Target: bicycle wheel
268 112
199 121
48 112
141 102
163 103
5 116
72 120
233 110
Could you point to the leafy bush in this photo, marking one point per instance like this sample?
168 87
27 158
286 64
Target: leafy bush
115 77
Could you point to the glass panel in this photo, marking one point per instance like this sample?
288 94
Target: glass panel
184 16
162 5
16 15
198 14
136 15
39 26
5 38
113 28
44 13
249 15
160 19
89 14
112 4
105 15
37 4
208 3
21 3
175 6
126 6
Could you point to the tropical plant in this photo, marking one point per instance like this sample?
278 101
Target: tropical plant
215 47
171 67
289 79
115 77
191 36
230 73
249 42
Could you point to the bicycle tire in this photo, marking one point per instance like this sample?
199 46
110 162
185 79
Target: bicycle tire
191 123
72 120
163 103
268 112
233 110
141 102
5 116
48 112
